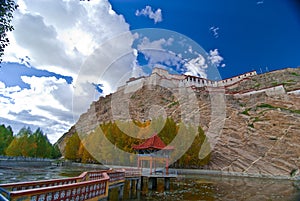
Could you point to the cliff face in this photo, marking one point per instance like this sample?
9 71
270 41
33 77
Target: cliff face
260 130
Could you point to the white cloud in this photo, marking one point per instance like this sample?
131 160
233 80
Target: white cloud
196 67
158 52
59 35
147 11
259 2
159 44
46 104
214 31
64 37
215 58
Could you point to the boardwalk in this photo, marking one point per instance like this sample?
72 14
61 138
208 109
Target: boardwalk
92 186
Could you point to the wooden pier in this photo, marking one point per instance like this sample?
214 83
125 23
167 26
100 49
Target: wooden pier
91 186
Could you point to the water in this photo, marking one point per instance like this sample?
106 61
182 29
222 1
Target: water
187 187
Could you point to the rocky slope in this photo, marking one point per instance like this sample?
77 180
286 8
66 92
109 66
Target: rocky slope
260 132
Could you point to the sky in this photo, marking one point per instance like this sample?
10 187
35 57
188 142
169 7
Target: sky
64 54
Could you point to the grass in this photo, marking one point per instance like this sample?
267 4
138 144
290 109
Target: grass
257 85
246 111
172 104
265 105
295 74
256 119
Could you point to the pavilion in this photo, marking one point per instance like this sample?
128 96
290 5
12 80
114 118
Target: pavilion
153 150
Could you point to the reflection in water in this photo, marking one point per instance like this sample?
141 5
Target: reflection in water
188 187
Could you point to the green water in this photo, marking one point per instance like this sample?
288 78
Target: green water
187 187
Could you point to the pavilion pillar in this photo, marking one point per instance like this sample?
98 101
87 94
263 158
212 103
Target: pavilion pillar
151 165
167 166
154 166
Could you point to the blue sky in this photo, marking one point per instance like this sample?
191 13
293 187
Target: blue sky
252 34
66 53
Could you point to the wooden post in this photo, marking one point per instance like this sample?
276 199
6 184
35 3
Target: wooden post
150 165
140 183
121 192
152 183
167 183
167 166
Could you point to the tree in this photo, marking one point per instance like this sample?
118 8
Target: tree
72 148
7 7
22 145
6 137
30 144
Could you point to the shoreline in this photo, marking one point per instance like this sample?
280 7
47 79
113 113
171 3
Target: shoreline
200 172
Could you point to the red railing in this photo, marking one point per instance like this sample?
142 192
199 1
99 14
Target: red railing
116 176
133 172
87 186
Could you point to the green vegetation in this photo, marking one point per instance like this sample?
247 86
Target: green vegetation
256 119
246 111
265 105
105 148
26 143
257 85
173 103
7 8
251 125
295 74
6 136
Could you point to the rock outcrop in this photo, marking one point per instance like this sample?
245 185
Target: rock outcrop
260 118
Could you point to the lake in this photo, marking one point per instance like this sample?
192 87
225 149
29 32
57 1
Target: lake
186 187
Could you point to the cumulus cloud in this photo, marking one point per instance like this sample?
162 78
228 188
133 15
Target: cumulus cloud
64 37
196 67
46 104
215 58
148 12
59 35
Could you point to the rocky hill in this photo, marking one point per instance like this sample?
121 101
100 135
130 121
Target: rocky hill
259 122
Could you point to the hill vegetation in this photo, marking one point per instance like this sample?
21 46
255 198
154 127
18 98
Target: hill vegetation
26 143
75 147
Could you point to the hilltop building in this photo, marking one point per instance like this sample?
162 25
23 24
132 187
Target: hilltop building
163 78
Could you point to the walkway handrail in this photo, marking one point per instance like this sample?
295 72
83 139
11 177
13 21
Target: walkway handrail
38 184
116 176
88 185
133 172
85 176
97 180
75 191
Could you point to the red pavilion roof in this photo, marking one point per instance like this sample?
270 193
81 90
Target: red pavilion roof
153 142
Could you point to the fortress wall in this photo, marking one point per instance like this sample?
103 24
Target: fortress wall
272 91
178 77
235 79
295 92
134 85
159 74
